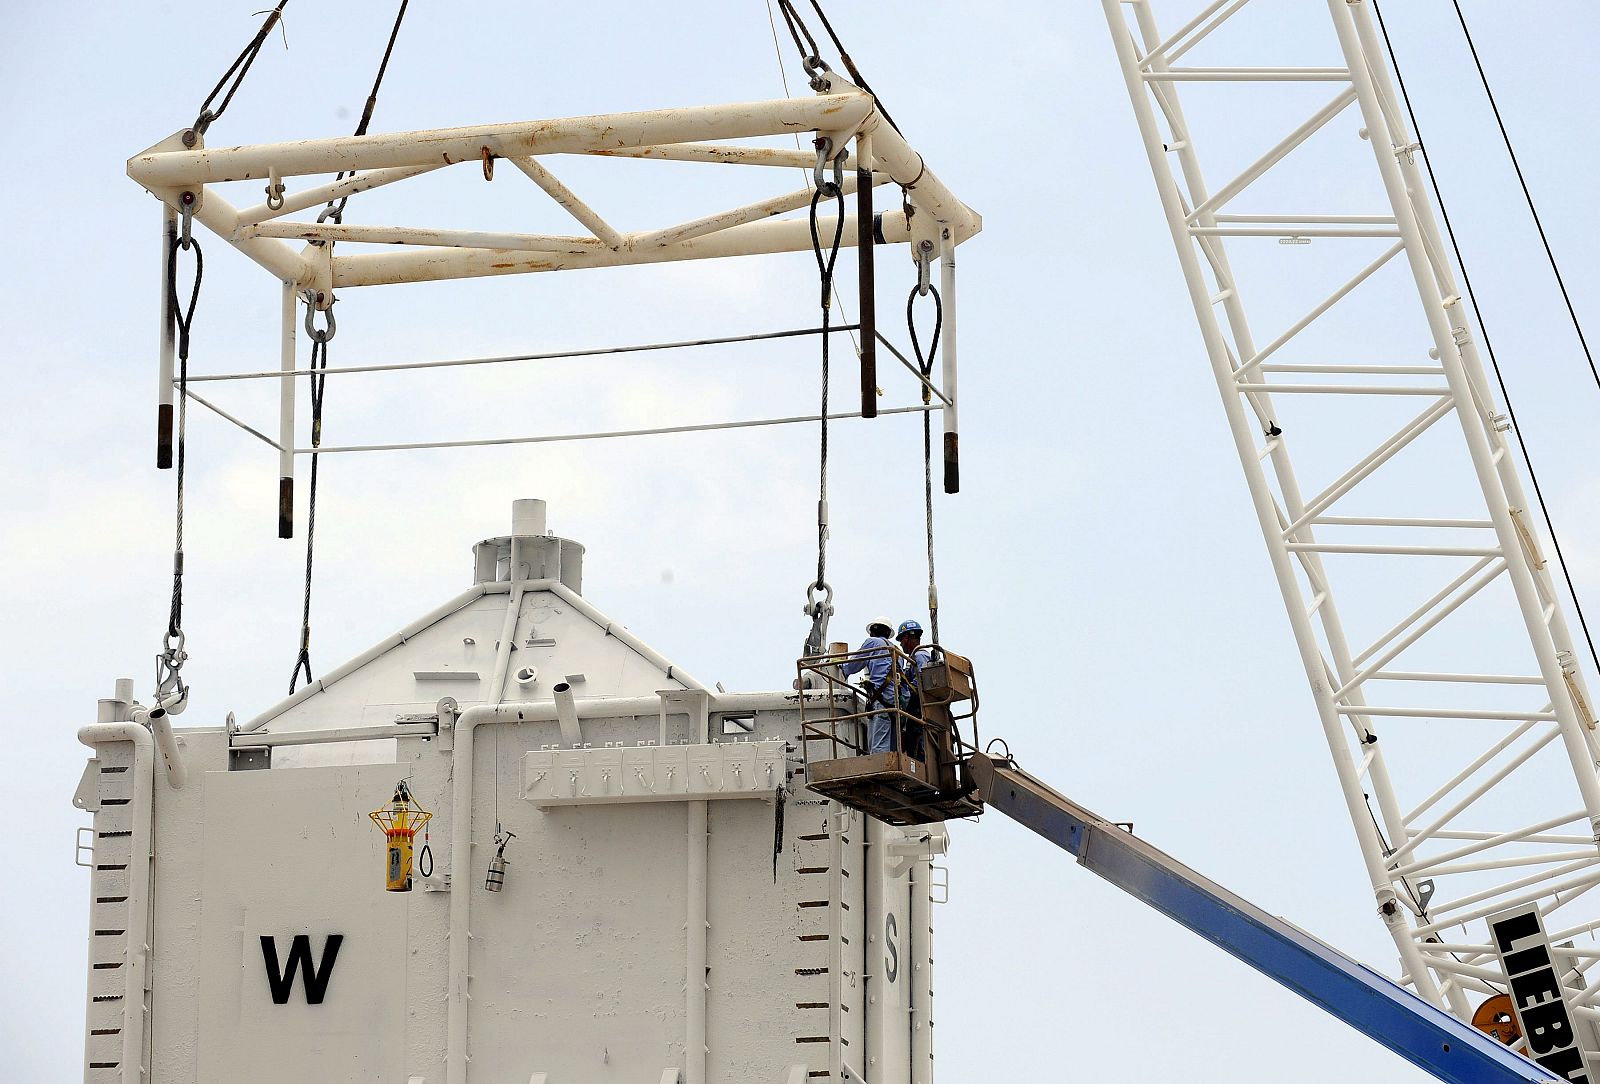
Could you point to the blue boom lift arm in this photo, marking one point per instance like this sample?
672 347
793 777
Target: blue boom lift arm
1380 1008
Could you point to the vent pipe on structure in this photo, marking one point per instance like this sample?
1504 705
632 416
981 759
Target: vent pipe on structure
539 555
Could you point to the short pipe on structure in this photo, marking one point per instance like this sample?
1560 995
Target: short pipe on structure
139 875
866 279
947 347
286 397
169 238
159 721
567 714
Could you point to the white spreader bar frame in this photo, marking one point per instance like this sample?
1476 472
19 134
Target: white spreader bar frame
1449 838
184 174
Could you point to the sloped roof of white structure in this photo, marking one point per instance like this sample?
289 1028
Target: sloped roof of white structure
529 584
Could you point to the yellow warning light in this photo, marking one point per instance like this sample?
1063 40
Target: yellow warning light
400 820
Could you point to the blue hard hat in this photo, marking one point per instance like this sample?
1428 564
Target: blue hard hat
908 627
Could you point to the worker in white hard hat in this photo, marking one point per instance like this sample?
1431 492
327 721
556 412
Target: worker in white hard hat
875 657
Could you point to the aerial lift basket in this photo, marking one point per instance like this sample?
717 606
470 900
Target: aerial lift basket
932 722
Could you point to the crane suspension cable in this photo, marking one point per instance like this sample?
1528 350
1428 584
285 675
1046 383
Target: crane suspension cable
925 369
1527 195
169 664
819 596
335 208
1488 346
319 365
319 362
236 71
783 76
850 65
797 27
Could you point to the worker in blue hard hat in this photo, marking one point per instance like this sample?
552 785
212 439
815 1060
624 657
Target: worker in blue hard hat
876 658
909 636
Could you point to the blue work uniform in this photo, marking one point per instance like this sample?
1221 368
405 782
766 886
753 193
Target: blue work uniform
880 728
911 692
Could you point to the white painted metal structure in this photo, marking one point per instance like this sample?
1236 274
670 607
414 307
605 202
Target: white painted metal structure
187 177
1422 603
647 931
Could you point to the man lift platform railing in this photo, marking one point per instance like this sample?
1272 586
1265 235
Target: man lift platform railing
921 776
952 778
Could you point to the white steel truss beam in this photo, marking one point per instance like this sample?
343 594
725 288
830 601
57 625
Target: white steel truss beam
743 120
182 166
1505 712
850 131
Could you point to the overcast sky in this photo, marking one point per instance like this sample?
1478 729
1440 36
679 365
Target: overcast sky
1102 564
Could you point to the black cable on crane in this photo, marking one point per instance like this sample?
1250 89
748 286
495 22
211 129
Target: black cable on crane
183 320
925 370
819 595
1527 196
1444 213
797 26
335 208
319 362
850 65
236 71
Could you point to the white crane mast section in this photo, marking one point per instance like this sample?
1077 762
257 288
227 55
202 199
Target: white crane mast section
1482 795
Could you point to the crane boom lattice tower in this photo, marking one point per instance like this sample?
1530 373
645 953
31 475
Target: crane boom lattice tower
1423 604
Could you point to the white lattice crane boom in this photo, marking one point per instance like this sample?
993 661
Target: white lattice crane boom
1482 795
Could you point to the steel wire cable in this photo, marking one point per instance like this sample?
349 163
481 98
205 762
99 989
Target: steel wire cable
319 361
783 76
319 364
797 27
241 65
925 369
825 265
335 209
850 65
1527 195
183 319
1505 394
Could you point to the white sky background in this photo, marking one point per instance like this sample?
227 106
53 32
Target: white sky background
1102 564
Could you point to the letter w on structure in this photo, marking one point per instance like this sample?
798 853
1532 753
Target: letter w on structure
280 980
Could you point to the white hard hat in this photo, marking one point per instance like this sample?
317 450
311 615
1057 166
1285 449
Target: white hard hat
876 621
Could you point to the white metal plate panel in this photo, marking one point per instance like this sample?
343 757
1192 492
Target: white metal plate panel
287 854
